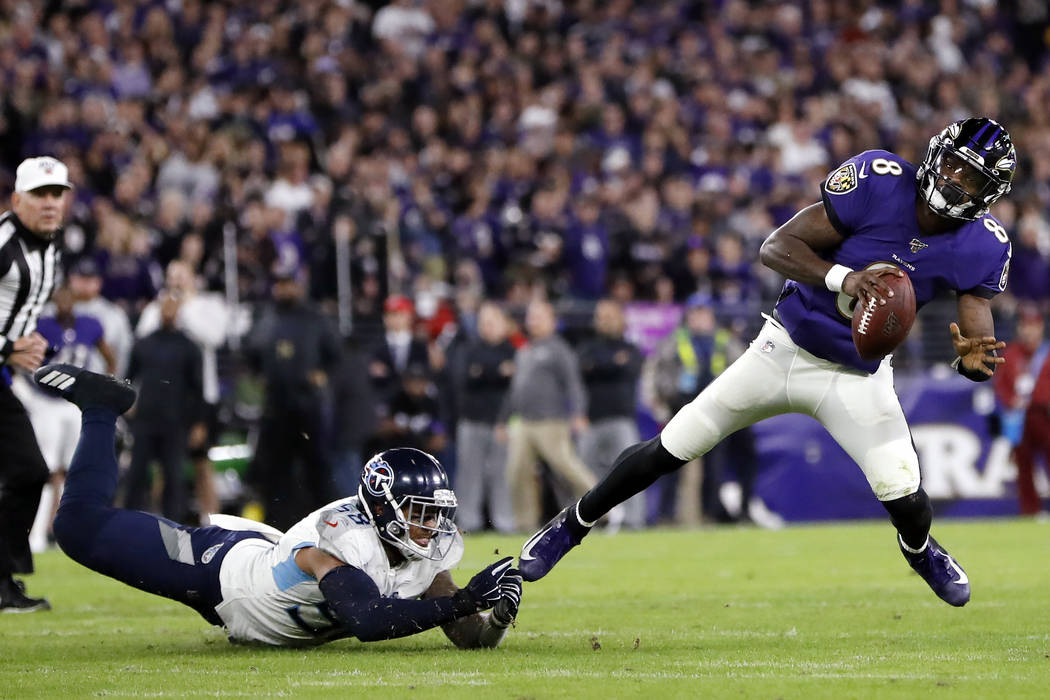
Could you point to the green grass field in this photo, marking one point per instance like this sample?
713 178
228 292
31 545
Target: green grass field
807 612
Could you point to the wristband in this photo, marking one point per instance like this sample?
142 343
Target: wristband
972 375
837 273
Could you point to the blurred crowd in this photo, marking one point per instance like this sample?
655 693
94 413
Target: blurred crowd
340 154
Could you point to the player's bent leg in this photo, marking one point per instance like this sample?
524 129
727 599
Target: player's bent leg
912 516
635 469
752 388
150 553
84 388
864 416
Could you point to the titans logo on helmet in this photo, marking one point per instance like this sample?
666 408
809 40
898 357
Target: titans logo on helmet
377 477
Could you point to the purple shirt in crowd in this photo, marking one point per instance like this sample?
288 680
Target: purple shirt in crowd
71 345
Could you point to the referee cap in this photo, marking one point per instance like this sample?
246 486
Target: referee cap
40 172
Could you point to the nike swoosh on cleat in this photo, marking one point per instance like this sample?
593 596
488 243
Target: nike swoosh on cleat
532 541
962 574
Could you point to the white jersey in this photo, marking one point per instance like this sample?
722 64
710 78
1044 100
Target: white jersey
267 598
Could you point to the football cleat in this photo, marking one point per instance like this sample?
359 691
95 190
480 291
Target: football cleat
84 388
13 599
552 542
945 576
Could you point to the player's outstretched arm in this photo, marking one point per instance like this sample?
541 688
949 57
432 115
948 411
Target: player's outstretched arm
481 629
794 251
974 339
368 615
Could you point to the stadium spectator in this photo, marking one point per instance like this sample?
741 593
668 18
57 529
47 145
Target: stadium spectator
397 349
547 405
1022 386
130 275
30 267
412 417
86 284
482 372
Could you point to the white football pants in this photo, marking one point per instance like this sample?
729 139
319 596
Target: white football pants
775 376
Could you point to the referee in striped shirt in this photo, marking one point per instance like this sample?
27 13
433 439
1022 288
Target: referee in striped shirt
28 263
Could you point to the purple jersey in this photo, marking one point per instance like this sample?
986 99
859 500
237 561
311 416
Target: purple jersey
871 202
71 345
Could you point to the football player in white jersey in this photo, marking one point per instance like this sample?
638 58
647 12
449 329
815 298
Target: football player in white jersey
372 566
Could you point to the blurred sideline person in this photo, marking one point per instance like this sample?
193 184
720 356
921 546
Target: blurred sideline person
296 350
547 404
203 318
412 416
682 365
398 348
28 272
373 566
73 339
85 281
932 219
1023 389
481 376
166 367
611 366
353 417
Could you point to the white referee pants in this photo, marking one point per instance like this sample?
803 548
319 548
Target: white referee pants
775 376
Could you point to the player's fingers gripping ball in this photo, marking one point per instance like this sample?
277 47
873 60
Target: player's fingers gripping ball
879 328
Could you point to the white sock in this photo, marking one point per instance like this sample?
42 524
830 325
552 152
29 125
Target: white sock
906 548
579 519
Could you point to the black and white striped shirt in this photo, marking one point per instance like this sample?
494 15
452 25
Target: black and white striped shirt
27 277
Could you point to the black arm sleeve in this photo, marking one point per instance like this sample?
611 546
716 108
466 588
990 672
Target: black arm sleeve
355 600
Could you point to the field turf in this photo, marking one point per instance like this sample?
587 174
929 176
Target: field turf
808 612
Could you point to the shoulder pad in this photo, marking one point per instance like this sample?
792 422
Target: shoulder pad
346 534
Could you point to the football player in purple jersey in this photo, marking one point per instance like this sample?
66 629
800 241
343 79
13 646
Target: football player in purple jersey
878 211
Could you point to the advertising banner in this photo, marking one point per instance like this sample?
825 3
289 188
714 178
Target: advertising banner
805 475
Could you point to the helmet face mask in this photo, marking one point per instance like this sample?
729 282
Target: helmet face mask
405 494
967 168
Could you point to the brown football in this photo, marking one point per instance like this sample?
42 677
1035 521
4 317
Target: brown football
879 329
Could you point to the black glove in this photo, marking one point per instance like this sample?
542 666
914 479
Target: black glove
486 588
506 608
